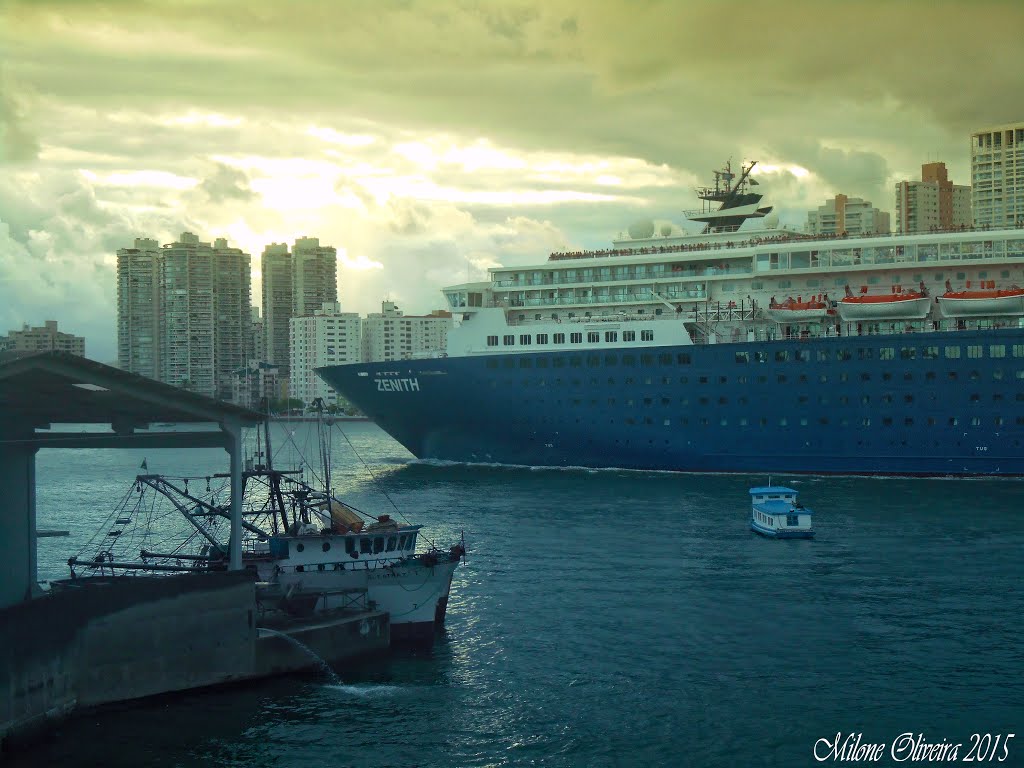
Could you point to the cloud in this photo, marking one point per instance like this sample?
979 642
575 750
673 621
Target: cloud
437 138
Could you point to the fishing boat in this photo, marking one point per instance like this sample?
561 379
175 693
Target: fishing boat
310 550
982 301
777 514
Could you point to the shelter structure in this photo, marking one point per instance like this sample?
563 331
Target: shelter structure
44 389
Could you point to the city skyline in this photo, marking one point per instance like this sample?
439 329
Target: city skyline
429 141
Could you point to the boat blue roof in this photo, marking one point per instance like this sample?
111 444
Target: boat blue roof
771 489
781 507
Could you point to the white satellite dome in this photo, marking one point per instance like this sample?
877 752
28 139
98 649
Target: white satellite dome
641 230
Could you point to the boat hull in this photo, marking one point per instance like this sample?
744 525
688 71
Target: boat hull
773 533
885 405
783 315
906 309
415 595
952 306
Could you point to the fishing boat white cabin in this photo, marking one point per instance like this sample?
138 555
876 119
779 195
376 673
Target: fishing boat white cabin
776 513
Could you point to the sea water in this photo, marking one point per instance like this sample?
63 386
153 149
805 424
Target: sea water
610 618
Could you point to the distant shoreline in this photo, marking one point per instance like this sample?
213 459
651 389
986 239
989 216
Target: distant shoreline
317 418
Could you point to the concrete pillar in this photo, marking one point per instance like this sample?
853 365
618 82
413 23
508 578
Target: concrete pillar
233 444
18 572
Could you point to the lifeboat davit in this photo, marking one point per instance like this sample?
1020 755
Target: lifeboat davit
984 301
791 311
897 305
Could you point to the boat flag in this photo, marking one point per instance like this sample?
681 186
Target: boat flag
144 465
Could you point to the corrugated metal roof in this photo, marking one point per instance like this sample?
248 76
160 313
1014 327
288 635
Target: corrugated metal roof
45 388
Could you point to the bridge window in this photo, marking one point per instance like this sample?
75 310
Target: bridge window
542 338
611 336
559 338
593 337
646 335
576 338
631 336
525 339
492 341
509 340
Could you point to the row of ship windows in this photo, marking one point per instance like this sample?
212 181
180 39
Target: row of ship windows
886 399
997 375
886 421
593 337
953 352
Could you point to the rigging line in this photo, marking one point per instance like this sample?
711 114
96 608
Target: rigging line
378 483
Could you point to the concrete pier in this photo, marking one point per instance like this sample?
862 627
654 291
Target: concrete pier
108 640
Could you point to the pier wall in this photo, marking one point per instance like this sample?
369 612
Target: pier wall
119 639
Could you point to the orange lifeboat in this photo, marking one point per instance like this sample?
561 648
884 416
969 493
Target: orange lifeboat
798 310
986 300
898 304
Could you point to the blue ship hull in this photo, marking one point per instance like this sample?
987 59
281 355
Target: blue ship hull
944 403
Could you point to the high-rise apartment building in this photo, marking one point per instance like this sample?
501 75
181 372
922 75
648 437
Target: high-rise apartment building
232 291
184 312
276 267
44 338
187 338
328 336
849 216
315 276
997 176
138 309
933 203
391 335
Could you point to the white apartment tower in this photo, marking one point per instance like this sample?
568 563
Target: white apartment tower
183 312
391 335
232 281
847 215
327 336
932 204
997 176
187 343
138 309
314 276
276 267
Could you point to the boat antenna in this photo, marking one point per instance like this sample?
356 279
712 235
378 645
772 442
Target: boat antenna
325 448
272 477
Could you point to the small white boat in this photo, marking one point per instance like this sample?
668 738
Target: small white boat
777 514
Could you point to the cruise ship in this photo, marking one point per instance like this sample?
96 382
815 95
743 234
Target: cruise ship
744 347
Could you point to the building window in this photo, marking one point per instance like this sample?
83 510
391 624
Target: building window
593 337
646 335
509 340
559 338
576 338
542 338
524 339
611 336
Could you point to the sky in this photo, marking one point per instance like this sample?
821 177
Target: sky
428 140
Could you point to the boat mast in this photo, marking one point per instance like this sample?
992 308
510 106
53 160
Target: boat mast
272 477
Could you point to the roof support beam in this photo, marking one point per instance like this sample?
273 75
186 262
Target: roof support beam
133 441
233 444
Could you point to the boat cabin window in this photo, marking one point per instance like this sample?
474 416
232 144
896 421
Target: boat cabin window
792 520
350 545
401 541
366 545
392 541
378 544
411 543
